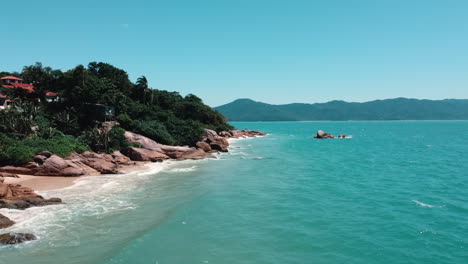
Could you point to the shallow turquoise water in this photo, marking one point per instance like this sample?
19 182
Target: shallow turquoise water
396 192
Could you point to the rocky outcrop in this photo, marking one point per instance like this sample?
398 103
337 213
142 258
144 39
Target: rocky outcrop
246 133
6 174
56 166
150 148
15 238
5 222
192 154
120 158
204 146
215 141
15 196
18 170
141 154
321 134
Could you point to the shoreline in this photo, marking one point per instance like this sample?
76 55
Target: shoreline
51 183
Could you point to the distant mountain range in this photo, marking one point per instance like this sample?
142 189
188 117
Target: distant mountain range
389 109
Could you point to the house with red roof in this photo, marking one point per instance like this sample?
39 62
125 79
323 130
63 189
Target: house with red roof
13 82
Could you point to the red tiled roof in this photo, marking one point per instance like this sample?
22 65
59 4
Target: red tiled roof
25 86
51 94
12 78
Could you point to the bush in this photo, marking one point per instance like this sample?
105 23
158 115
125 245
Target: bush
15 151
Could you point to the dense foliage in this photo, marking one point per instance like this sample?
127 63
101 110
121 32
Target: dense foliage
390 109
87 97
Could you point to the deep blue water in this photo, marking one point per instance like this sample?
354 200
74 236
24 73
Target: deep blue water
396 192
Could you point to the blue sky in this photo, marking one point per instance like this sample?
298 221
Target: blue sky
267 50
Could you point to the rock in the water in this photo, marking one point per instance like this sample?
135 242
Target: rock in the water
21 204
140 154
15 238
321 134
5 222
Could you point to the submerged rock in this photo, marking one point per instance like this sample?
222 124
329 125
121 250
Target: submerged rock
15 238
5 222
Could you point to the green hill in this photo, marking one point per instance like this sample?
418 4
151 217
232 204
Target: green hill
389 109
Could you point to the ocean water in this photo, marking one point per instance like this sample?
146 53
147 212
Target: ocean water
395 192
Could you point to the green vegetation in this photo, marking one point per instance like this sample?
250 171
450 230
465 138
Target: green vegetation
390 109
87 97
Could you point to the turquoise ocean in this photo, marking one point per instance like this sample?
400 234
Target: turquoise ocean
394 192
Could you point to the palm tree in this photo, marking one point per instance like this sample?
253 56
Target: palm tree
142 87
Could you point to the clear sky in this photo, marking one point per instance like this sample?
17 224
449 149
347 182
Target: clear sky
267 50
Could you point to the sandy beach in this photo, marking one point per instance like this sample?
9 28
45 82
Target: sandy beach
42 183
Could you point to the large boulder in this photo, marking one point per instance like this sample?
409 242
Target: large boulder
20 197
39 159
216 142
102 165
5 222
145 142
120 158
56 166
193 154
45 153
15 238
141 154
204 146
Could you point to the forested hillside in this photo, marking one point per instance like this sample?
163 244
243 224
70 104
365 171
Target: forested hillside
87 96
390 109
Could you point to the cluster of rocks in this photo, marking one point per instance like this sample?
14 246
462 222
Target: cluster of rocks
212 141
89 163
321 134
15 196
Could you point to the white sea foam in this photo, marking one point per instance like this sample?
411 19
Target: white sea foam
426 205
192 168
93 197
